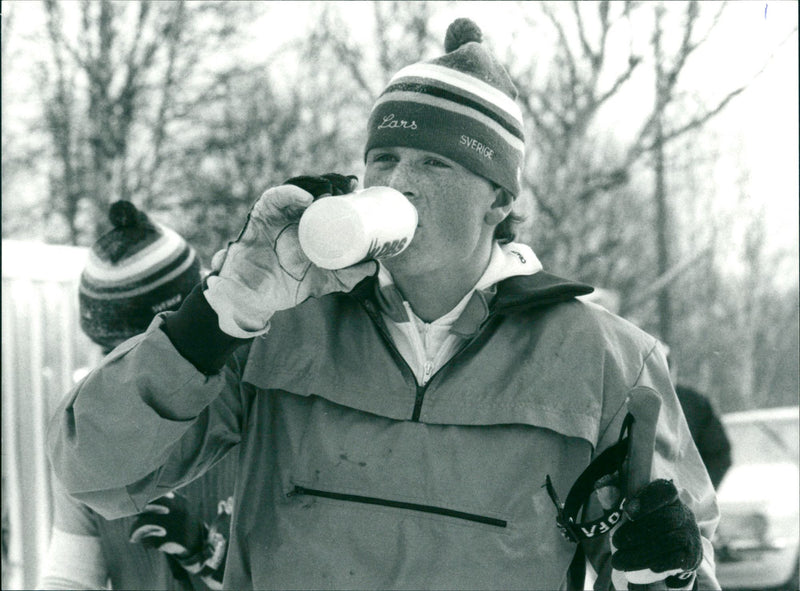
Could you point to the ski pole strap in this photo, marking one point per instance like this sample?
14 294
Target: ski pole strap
607 463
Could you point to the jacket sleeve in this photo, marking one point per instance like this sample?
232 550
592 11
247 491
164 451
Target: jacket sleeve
675 458
73 561
146 420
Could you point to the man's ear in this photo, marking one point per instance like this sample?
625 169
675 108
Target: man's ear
500 208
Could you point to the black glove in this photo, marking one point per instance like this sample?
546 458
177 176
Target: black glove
326 184
659 539
167 525
215 552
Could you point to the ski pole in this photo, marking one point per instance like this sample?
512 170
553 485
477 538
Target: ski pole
644 405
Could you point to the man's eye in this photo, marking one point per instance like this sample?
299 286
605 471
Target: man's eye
436 162
383 158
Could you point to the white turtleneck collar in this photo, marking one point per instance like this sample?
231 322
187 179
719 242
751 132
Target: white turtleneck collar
428 346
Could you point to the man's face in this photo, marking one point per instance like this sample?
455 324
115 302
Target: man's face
452 204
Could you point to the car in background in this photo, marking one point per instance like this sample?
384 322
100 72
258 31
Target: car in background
756 544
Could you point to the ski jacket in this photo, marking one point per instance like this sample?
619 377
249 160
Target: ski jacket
351 476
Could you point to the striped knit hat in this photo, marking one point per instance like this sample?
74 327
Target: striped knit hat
460 105
134 271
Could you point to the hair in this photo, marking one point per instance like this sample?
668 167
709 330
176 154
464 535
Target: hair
506 231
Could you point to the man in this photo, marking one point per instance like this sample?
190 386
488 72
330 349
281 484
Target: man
136 269
395 423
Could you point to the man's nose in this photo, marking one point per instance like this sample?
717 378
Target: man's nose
403 179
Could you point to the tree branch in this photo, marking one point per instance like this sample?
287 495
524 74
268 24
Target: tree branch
587 48
708 115
574 81
633 62
173 34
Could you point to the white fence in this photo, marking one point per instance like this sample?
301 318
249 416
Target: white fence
42 347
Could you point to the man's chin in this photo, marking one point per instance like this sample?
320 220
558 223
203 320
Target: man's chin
405 261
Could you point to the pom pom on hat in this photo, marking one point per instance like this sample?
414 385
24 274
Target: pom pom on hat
123 214
132 229
135 270
461 31
460 105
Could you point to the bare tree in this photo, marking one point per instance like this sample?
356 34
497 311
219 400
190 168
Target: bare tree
574 161
112 92
251 139
400 35
17 157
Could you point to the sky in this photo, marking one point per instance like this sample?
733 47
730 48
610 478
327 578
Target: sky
765 117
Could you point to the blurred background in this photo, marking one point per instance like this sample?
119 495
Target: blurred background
662 166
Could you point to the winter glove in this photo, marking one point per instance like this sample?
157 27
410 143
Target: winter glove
265 270
659 540
167 525
215 552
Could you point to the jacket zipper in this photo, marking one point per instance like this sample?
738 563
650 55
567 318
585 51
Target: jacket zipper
301 490
418 401
420 395
375 316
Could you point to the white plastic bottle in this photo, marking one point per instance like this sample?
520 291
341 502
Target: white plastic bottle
339 231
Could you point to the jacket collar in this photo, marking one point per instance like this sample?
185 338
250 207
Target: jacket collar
536 291
515 294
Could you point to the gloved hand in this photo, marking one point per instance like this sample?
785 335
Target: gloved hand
658 540
167 525
212 568
265 270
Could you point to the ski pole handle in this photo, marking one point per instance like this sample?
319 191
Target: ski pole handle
645 406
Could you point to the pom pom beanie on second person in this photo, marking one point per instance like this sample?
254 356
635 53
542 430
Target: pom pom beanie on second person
460 105
134 271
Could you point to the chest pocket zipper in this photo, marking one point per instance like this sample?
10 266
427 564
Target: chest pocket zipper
301 490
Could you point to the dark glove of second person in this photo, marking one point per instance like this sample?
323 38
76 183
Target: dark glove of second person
212 568
659 540
166 524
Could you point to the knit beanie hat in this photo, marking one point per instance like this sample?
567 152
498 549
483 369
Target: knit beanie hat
134 271
460 105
